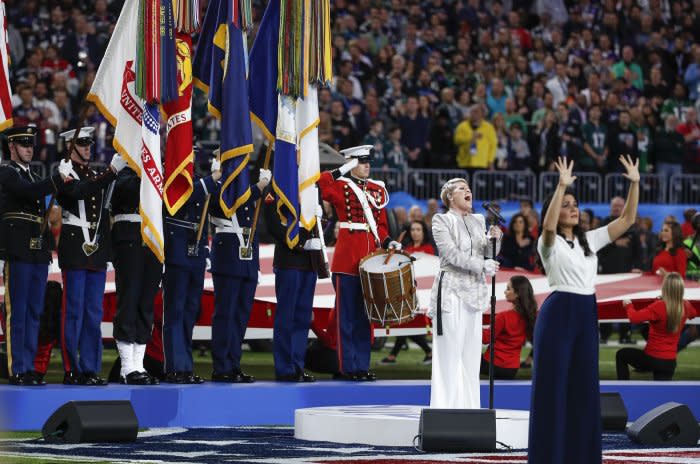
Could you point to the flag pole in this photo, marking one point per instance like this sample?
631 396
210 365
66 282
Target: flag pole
258 203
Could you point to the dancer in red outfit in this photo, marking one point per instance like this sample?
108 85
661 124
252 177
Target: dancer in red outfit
512 328
666 319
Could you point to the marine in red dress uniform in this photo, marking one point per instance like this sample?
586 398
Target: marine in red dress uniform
363 229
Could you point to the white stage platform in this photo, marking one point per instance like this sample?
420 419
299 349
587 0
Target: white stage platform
395 425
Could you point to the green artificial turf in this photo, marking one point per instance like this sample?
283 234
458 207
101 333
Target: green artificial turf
408 366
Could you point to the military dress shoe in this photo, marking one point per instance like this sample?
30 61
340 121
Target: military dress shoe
71 378
136 378
366 376
34 379
192 378
17 379
232 377
347 376
90 379
174 377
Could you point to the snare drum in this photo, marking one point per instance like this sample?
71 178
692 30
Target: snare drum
389 290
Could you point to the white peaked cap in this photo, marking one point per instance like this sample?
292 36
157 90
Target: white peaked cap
85 131
357 152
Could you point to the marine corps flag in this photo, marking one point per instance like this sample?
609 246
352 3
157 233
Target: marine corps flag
113 91
179 153
5 92
220 70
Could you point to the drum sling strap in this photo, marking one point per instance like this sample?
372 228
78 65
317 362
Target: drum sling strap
362 198
439 304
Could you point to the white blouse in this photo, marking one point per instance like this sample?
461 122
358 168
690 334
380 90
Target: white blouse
567 268
462 247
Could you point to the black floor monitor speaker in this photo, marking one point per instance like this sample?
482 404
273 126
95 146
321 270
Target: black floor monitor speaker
92 421
613 411
671 424
457 430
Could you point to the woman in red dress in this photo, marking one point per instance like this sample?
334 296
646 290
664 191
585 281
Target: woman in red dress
670 257
512 328
666 319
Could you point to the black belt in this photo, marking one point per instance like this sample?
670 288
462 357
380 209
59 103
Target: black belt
439 304
23 216
180 223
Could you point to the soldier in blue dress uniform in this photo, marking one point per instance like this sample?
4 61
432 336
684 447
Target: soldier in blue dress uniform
83 252
26 251
235 280
183 282
296 270
137 273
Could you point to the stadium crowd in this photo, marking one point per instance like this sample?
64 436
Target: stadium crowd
436 84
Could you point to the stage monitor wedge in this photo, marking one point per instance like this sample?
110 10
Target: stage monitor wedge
613 412
671 424
92 421
457 430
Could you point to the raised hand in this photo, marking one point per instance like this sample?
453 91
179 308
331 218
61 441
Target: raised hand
566 178
632 167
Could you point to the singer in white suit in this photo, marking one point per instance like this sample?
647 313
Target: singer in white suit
459 297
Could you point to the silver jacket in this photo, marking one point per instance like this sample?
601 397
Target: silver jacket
463 247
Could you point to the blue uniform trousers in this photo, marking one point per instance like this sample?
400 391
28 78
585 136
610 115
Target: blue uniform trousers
353 328
565 423
294 289
233 301
81 316
25 285
182 295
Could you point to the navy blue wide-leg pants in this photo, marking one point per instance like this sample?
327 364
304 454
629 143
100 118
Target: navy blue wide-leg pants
565 423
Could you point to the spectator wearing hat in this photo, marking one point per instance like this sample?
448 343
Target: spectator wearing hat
26 248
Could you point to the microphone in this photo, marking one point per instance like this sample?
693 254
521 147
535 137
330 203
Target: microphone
495 214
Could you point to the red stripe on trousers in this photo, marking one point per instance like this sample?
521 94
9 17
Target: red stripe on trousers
339 338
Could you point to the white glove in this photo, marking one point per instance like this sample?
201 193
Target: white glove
65 167
319 211
118 163
215 165
491 266
265 176
494 232
347 167
394 245
312 244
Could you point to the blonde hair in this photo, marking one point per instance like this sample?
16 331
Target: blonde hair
449 188
672 290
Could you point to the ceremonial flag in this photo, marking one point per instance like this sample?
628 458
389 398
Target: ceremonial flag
5 92
289 121
179 153
114 94
220 70
151 205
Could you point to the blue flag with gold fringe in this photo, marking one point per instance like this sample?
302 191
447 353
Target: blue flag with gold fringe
263 73
220 71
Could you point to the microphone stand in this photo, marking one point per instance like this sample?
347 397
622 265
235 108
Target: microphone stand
492 319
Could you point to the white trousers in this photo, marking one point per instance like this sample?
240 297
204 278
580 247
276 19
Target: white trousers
456 358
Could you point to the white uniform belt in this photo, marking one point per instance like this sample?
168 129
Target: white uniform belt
127 218
70 219
225 226
355 226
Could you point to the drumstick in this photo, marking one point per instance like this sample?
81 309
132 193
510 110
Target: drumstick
391 250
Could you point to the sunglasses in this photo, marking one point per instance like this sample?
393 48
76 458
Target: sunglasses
25 142
84 142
